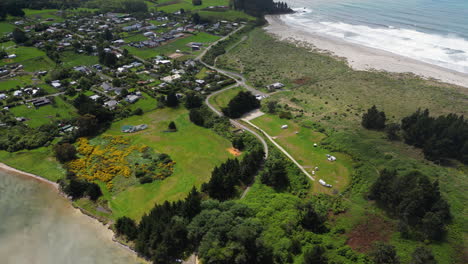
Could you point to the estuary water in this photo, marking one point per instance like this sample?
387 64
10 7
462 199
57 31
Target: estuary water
432 31
38 226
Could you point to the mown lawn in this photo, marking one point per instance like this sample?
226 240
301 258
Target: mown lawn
195 150
301 147
38 161
146 103
45 114
72 59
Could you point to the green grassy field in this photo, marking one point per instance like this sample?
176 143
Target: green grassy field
179 44
38 161
44 114
195 150
222 99
301 147
21 81
229 15
44 14
71 59
146 103
172 6
6 28
32 58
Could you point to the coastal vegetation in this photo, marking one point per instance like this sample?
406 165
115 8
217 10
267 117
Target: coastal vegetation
129 138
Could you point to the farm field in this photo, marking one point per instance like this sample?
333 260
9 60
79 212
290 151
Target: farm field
45 114
195 150
301 147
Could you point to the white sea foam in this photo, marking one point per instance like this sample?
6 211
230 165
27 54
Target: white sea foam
448 51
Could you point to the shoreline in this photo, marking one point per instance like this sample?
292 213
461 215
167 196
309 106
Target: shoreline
106 230
9 169
360 57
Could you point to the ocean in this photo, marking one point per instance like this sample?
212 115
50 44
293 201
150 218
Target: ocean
432 31
38 226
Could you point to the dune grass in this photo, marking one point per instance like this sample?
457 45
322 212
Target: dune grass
195 150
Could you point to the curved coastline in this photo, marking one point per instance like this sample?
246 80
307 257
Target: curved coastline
86 216
360 57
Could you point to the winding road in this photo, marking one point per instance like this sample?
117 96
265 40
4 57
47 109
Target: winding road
241 81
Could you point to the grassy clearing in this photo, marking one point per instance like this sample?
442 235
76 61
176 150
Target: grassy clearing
21 81
195 150
179 44
301 147
171 6
146 103
230 15
222 99
23 54
45 114
44 14
38 161
72 59
6 28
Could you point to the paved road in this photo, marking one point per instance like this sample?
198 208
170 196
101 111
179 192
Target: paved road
240 79
238 125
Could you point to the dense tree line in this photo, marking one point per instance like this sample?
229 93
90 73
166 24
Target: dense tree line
225 177
261 7
444 137
162 235
415 201
79 188
242 103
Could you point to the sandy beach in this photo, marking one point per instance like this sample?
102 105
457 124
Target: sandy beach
9 169
361 57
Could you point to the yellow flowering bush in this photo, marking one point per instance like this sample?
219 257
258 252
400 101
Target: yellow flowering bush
109 159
